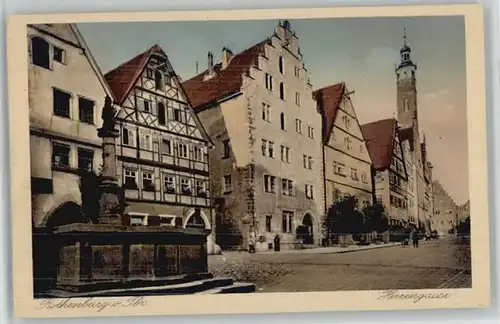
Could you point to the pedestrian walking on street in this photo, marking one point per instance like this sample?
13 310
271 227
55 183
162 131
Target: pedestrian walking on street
411 237
415 239
277 246
251 242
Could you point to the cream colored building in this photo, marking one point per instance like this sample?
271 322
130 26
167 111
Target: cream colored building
66 93
266 169
391 176
464 211
346 161
163 149
446 211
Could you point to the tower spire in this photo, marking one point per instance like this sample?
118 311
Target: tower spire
404 36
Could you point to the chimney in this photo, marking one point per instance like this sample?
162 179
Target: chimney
227 55
210 63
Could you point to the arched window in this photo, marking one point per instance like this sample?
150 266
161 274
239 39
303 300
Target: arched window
282 91
282 121
40 52
161 114
281 65
406 107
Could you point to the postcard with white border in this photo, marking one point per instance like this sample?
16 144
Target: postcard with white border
256 161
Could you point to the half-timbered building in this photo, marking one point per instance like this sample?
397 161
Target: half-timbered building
346 161
163 150
391 176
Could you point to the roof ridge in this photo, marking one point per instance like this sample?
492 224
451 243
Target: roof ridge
225 82
343 83
132 67
148 52
380 120
234 56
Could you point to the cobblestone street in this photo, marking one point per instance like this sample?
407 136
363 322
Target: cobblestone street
442 263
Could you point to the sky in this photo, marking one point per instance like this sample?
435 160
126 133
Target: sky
362 52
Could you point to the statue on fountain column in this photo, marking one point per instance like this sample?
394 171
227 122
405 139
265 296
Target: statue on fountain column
111 198
108 119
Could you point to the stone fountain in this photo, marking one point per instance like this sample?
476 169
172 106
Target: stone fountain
111 258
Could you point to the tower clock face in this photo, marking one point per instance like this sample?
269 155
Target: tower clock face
405 74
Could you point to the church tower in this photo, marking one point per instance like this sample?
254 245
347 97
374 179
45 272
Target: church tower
407 89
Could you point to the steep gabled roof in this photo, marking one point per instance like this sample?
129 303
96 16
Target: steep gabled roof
70 33
328 100
379 139
226 81
92 61
122 78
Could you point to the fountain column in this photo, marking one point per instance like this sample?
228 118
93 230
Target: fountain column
111 200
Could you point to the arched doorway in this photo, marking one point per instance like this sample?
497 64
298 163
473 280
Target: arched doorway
65 214
307 222
45 245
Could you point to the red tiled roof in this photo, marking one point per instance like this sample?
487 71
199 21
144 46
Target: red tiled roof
406 134
226 81
122 78
379 139
329 99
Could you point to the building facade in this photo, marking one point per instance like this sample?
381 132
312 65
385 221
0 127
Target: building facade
446 211
387 153
66 94
346 161
258 108
162 154
406 135
464 211
420 168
